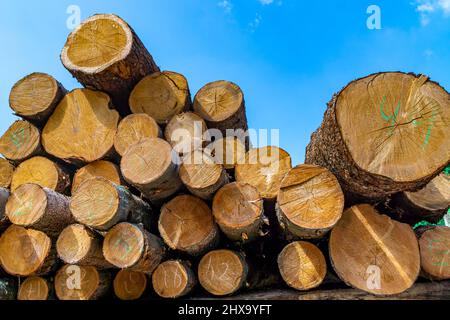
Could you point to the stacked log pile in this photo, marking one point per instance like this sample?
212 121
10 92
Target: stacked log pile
119 188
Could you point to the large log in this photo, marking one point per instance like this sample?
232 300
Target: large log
35 97
186 132
373 253
6 172
130 285
21 141
173 279
35 289
8 289
377 127
82 127
228 151
434 243
161 95
104 53
100 168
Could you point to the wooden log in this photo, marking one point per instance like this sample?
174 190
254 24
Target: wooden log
6 172
152 167
186 224
161 95
74 282
82 127
26 252
116 65
201 175
302 265
130 285
173 279
35 97
264 168
310 202
434 243
100 168
79 245
373 253
4 195
43 172
238 210
101 204
134 128
376 127
21 141
35 289
129 246
8 289
39 208
186 132
228 151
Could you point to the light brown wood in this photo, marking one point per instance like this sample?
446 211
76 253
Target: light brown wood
186 132
134 128
20 142
374 253
173 279
6 172
238 210
161 95
222 272
35 96
130 285
186 224
228 151
152 167
310 202
82 127
264 168
34 289
104 53
434 245
26 252
129 246
100 168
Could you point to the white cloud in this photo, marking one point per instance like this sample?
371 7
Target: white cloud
265 2
427 7
226 5
254 24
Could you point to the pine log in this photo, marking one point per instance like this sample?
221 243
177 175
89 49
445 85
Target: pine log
35 97
101 204
35 289
161 95
152 167
264 168
134 128
228 151
129 246
186 132
79 245
6 172
82 128
310 202
100 168
43 172
8 289
376 128
74 282
434 243
26 252
21 141
201 175
186 224
130 285
173 279
39 208
374 253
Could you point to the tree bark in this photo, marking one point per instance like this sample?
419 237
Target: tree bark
100 168
4 195
8 289
6 172
130 285
434 243
173 279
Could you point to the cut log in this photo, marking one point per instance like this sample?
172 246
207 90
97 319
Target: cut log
26 252
161 95
152 167
302 265
434 243
134 128
4 195
264 168
373 253
222 272
41 171
129 246
6 172
310 202
100 168
130 285
35 289
82 128
8 289
186 224
201 175
376 127
104 53
186 132
39 208
35 97
81 283
79 245
228 151
101 204
238 210
20 142
173 279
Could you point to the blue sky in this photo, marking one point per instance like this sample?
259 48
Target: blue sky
288 56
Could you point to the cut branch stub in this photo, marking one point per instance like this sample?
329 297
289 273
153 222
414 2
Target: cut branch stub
173 279
100 168
130 285
186 132
434 245
34 289
21 141
6 172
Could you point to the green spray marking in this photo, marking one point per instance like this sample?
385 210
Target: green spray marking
17 137
24 210
391 119
125 246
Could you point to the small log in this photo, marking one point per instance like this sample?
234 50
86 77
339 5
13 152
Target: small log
186 224
100 168
20 142
228 151
8 289
161 95
173 279
130 285
129 246
186 132
434 243
35 289
35 97
6 172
